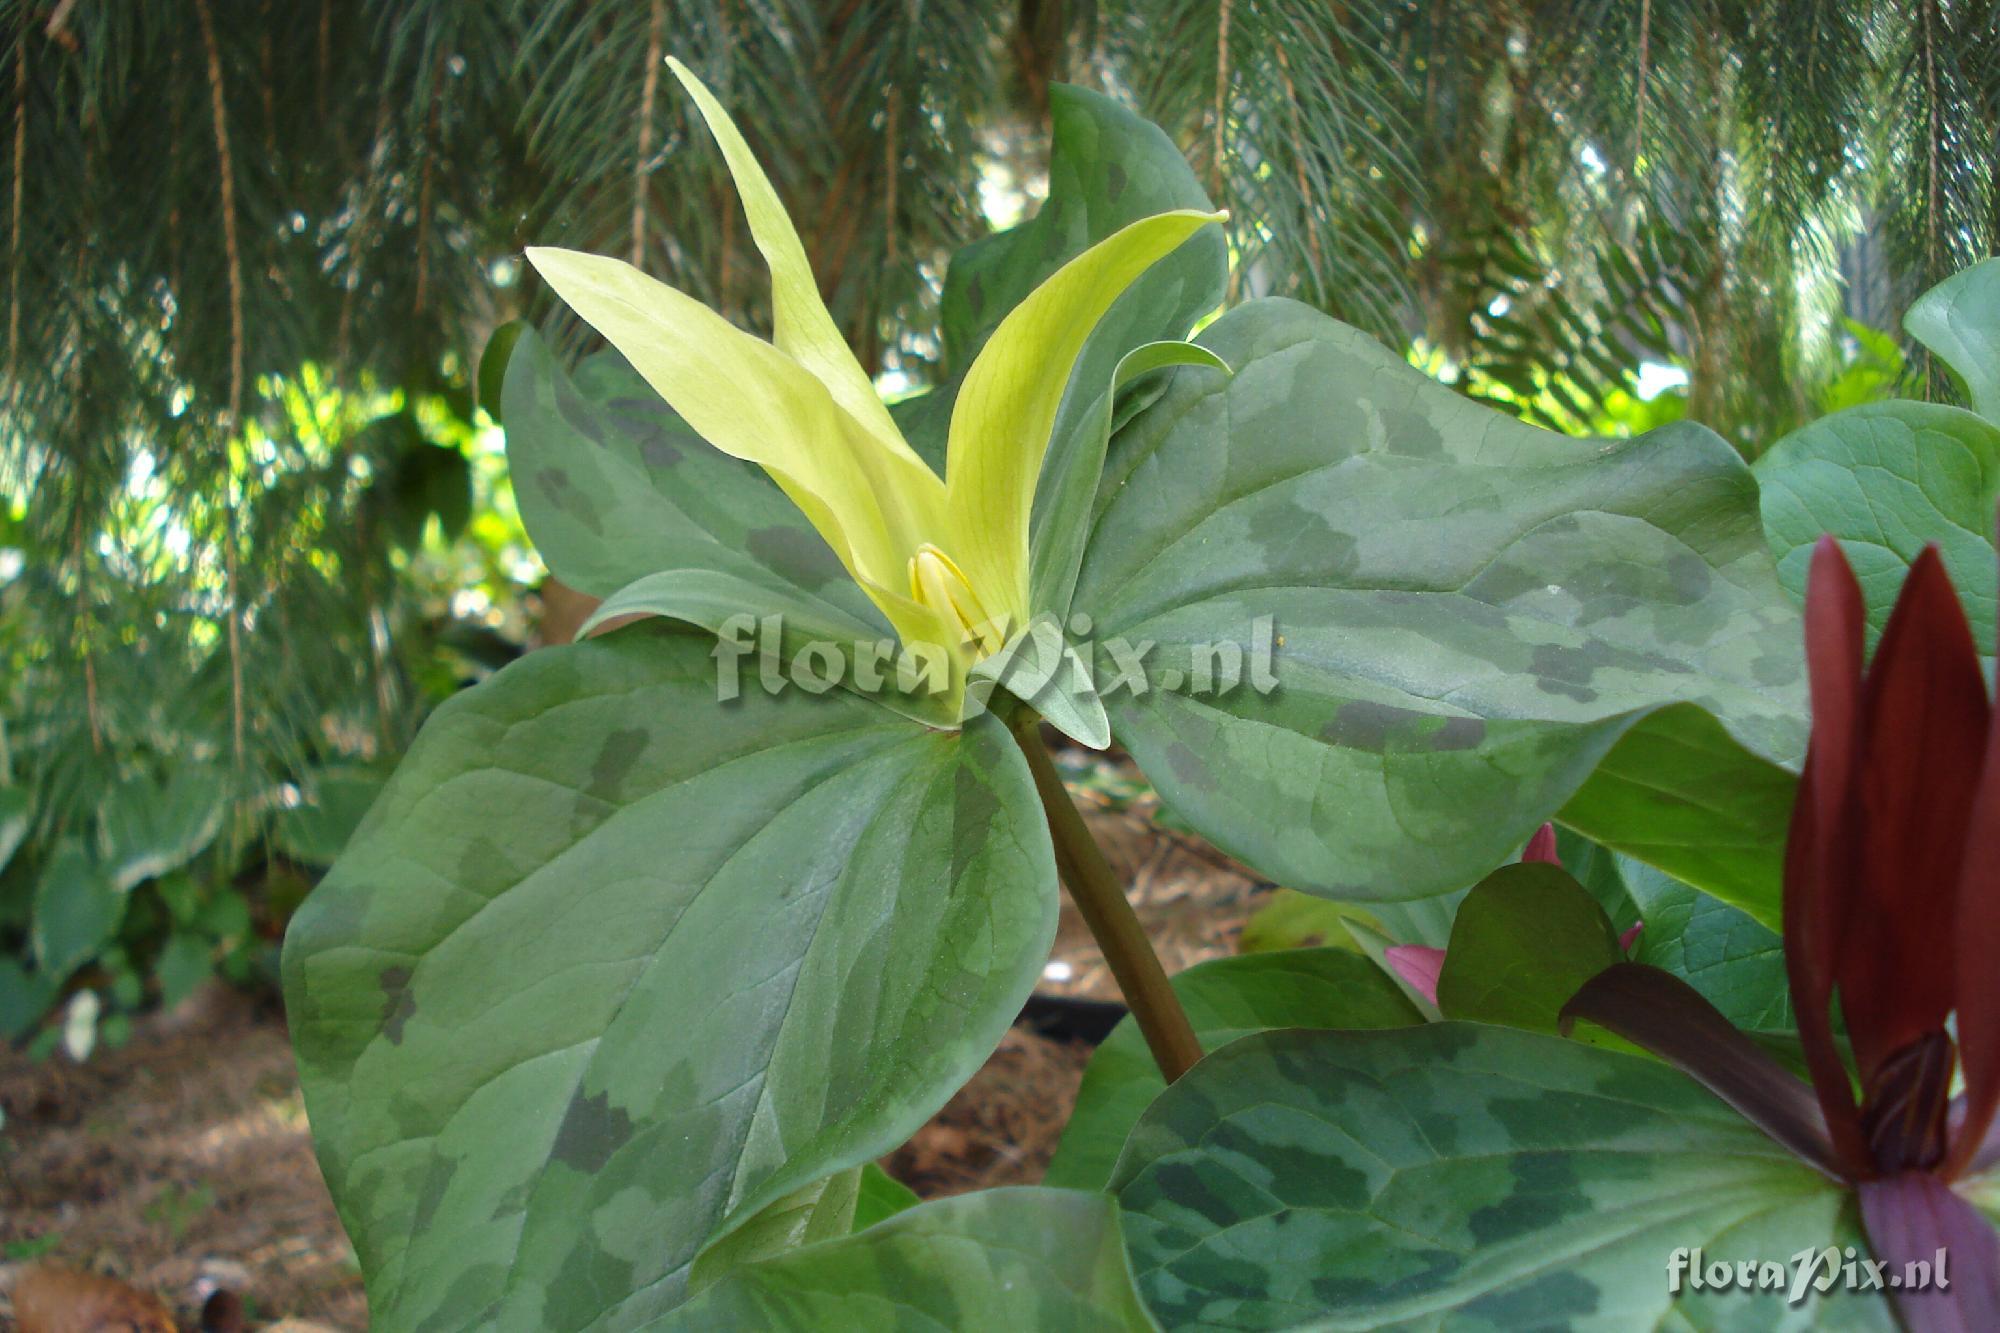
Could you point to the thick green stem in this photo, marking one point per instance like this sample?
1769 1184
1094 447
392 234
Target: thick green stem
1094 888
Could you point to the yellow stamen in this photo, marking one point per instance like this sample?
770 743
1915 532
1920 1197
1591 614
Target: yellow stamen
936 581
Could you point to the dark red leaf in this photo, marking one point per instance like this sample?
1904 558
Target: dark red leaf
1819 870
1922 743
1915 1218
1657 1010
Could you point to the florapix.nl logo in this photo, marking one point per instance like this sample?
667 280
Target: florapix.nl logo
768 654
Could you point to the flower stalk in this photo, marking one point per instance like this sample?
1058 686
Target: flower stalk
1094 888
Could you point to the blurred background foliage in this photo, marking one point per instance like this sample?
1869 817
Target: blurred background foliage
254 516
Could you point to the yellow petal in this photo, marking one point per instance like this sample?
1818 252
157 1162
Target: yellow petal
801 326
752 401
1007 406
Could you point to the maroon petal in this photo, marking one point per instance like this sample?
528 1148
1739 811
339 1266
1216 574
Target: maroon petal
1542 847
1657 1010
1978 996
1915 1218
1921 748
1819 879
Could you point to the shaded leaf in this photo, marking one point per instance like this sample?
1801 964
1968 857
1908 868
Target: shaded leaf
1525 938
315 831
1293 920
77 912
146 828
881 1196
16 805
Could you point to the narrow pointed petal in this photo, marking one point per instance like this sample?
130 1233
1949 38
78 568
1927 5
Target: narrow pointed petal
1922 744
801 326
750 400
1419 966
1819 862
1630 935
1978 943
1915 1218
1542 847
1007 405
1657 1010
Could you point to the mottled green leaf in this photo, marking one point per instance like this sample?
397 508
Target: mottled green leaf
1959 319
146 828
77 912
1000 1259
881 1197
1225 999
610 968
1464 613
1886 479
612 486
1525 938
1461 1176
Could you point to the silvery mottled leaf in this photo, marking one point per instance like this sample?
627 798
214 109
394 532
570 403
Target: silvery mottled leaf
1467 614
1000 1259
612 486
1460 1176
1225 999
610 968
1886 479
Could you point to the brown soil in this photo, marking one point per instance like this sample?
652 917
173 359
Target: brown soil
178 1163
181 1162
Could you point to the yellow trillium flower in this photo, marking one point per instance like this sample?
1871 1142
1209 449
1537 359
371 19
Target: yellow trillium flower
946 561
